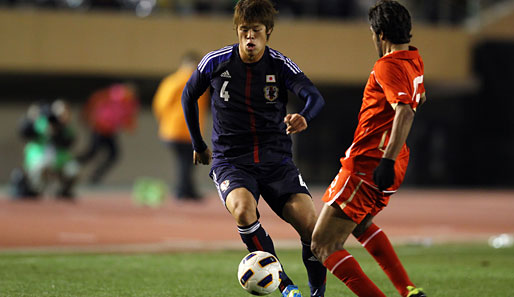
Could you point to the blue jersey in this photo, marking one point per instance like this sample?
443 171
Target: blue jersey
248 104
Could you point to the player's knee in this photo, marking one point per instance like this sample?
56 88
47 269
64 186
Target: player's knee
319 247
243 207
301 215
319 251
244 214
323 245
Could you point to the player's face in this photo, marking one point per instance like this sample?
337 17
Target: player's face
252 41
377 41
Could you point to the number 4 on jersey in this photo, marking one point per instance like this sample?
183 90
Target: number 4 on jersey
224 94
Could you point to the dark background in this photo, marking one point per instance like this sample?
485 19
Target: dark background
462 136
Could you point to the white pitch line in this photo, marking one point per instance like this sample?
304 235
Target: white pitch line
71 237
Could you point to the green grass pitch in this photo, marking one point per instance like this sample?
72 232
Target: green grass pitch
466 270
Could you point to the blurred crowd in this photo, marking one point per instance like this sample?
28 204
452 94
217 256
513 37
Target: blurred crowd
435 11
51 165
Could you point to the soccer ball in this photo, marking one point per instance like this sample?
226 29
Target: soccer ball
259 273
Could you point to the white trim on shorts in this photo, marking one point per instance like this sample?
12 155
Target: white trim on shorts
217 186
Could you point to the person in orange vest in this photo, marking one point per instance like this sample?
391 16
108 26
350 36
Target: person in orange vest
167 108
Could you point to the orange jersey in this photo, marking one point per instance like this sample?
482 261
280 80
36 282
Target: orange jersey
396 78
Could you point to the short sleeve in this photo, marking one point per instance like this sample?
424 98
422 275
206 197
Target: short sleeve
396 83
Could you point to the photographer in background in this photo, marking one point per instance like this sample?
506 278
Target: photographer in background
46 128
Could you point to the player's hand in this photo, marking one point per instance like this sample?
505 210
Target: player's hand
295 123
384 174
204 157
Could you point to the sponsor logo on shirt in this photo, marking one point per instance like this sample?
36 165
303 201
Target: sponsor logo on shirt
226 74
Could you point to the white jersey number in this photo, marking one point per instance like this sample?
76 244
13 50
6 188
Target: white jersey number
416 82
224 94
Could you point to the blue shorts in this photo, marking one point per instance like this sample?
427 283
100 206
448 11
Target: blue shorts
275 182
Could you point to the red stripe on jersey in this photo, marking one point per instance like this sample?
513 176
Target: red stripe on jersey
248 90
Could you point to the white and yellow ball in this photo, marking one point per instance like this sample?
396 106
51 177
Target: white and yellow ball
259 273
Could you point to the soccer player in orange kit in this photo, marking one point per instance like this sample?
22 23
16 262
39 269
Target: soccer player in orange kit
375 164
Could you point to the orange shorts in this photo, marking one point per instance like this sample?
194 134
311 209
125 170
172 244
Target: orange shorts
355 192
356 196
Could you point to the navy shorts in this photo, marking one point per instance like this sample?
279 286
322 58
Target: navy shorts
274 182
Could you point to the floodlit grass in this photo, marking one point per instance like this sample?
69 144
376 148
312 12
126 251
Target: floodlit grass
442 270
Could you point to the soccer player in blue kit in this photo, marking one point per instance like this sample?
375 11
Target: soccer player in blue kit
251 143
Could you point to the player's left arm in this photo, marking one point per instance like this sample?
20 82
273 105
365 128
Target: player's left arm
314 102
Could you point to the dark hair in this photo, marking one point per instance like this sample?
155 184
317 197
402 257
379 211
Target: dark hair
255 11
392 19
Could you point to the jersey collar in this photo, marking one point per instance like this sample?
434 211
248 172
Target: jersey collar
410 54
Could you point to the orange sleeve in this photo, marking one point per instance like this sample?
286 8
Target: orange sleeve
399 86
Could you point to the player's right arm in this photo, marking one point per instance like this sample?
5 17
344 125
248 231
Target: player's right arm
194 88
404 96
204 157
402 123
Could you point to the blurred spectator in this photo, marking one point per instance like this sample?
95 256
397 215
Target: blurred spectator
47 155
107 112
445 12
294 8
167 108
436 11
337 9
